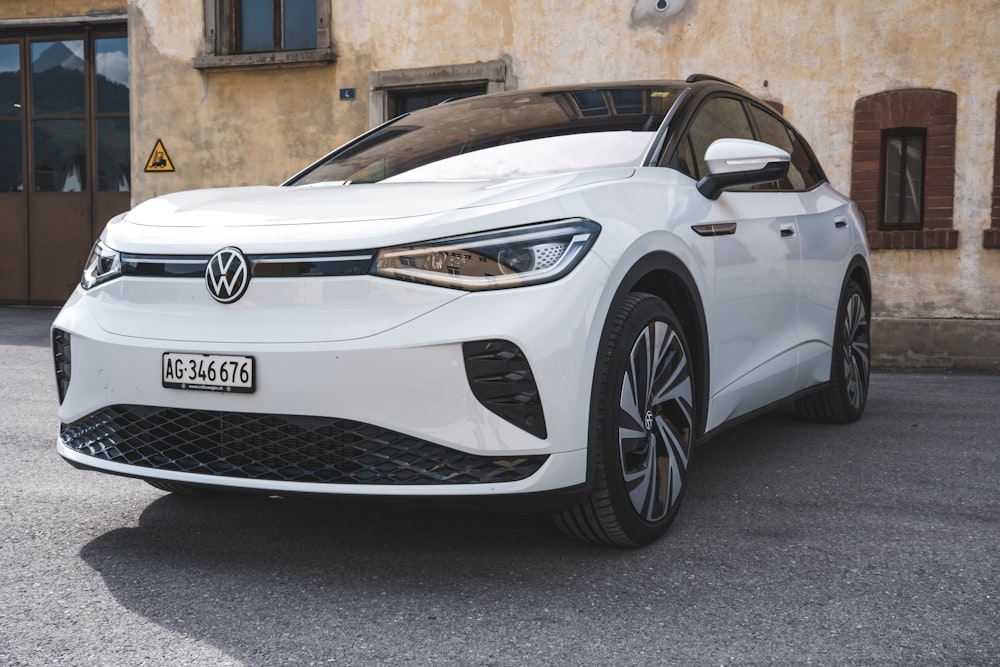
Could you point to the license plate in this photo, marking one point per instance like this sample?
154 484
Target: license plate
208 372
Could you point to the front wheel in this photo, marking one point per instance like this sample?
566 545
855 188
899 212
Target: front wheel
844 399
644 428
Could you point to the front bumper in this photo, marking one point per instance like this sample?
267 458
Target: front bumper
390 413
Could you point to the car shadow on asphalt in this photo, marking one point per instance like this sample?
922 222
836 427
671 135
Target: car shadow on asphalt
202 565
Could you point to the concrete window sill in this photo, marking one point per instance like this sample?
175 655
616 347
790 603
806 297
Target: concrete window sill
272 59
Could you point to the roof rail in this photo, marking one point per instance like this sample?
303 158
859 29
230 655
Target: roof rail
695 78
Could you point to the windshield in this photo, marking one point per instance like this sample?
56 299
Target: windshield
505 136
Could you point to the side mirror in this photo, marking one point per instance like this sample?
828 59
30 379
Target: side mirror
736 163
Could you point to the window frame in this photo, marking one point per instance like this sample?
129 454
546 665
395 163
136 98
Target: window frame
991 235
219 48
935 111
801 148
802 157
494 74
907 134
684 138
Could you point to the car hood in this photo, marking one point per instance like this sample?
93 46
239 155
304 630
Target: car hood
331 202
261 218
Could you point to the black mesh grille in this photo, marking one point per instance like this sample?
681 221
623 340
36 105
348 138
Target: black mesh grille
280 447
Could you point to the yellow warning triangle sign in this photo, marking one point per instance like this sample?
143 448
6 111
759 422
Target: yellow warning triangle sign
158 159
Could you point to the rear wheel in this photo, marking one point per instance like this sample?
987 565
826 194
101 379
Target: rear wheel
644 429
844 399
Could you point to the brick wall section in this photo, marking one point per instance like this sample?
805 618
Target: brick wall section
934 110
991 237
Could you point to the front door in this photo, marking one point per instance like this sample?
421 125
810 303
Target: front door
64 155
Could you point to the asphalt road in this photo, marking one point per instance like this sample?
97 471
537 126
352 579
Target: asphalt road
871 544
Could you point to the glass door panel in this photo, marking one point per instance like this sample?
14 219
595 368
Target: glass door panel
112 75
59 203
57 77
13 199
60 150
112 140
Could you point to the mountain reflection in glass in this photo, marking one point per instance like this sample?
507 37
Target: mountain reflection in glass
57 79
112 74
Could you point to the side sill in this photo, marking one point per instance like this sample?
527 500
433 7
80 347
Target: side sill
736 421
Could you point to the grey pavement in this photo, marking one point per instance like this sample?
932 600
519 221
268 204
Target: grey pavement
798 544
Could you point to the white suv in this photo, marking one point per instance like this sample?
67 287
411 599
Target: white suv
544 296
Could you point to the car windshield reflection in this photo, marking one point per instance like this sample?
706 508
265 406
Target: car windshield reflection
509 136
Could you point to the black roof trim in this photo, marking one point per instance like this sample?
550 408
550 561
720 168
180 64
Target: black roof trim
695 78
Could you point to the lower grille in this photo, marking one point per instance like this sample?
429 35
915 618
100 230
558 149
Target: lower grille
285 448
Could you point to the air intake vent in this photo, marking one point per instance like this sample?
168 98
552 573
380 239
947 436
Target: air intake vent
61 353
501 379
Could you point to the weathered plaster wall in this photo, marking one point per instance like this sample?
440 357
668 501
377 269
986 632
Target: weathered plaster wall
47 9
219 128
234 127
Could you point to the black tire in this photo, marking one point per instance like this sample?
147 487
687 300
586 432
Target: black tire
180 488
643 428
843 400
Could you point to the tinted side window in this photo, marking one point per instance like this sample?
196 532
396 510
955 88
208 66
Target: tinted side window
803 173
803 160
718 118
772 131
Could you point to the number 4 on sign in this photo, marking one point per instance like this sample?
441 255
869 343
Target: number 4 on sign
158 159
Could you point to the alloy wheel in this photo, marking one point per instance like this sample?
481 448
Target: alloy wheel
857 354
655 421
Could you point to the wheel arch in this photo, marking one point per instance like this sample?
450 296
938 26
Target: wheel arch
859 271
664 275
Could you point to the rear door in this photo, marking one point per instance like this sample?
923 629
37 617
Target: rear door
825 237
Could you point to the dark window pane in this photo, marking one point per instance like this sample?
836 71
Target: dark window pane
591 103
57 77
893 171
912 187
60 165
628 100
772 131
10 80
902 193
113 160
112 75
256 24
806 165
11 174
405 102
300 24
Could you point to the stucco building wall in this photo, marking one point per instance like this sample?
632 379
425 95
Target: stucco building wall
231 126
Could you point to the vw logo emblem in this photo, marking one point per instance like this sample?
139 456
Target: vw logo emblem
227 275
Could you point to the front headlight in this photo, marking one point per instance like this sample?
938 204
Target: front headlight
493 260
102 265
